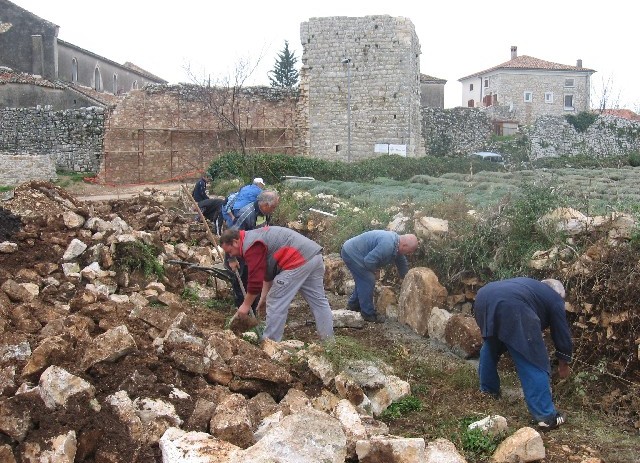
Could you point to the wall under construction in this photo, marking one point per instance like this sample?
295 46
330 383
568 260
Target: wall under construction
164 133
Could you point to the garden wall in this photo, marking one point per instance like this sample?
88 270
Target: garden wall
19 168
606 136
72 137
454 132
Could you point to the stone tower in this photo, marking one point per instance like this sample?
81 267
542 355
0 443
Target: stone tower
359 88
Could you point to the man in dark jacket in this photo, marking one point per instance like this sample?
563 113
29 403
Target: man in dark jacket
290 260
199 192
511 315
364 255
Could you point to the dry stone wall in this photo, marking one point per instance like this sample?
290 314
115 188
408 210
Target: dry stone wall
19 168
608 136
373 99
72 137
454 132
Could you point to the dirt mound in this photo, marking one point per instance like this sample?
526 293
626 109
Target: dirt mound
9 224
40 199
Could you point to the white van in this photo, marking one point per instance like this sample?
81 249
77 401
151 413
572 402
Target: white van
488 156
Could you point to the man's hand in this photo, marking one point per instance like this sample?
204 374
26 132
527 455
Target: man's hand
563 369
233 264
243 311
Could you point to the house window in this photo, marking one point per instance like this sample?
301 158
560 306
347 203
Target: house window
470 87
486 83
568 103
134 85
471 104
97 80
115 84
74 70
548 97
569 82
528 97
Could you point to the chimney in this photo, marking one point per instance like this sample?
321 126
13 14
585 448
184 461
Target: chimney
579 63
514 52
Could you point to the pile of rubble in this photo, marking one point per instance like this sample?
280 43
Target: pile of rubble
101 362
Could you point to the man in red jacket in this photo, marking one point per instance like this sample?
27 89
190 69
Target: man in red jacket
281 262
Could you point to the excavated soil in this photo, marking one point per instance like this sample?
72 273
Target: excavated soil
33 221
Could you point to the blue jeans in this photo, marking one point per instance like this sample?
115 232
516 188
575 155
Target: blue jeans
365 280
535 381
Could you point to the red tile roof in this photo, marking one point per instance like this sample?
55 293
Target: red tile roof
622 113
529 62
9 76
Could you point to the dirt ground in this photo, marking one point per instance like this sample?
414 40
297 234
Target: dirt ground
445 384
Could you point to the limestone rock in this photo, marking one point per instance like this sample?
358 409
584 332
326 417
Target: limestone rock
391 449
420 292
442 451
522 446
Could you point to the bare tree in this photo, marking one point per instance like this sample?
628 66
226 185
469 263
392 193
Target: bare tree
224 99
607 97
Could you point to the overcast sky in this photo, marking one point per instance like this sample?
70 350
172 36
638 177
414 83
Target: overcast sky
457 38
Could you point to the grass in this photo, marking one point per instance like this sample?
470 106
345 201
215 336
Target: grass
345 350
68 178
4 188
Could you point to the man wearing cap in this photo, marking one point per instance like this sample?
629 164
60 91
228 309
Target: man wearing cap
281 262
512 314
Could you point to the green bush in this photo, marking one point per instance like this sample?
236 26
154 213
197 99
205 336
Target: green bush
477 445
272 167
137 256
582 120
401 408
634 159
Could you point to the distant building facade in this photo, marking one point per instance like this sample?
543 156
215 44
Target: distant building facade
29 45
525 88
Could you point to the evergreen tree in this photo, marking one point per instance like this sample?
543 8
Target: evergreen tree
284 73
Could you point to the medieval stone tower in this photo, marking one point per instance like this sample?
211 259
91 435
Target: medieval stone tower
359 88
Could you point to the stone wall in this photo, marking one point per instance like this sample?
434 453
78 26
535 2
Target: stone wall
607 136
72 137
166 132
19 168
346 108
454 132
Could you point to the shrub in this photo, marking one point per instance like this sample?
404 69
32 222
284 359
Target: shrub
582 120
136 255
273 166
477 445
634 159
401 408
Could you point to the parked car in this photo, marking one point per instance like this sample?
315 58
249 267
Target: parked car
488 156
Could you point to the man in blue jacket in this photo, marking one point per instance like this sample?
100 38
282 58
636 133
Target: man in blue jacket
511 315
236 201
364 255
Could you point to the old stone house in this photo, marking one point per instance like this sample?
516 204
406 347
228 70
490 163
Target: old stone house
525 88
39 69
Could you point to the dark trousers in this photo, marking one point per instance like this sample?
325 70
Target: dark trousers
243 270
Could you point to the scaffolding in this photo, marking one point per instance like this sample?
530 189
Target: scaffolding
138 152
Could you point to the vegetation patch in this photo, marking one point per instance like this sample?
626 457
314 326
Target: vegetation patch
137 256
